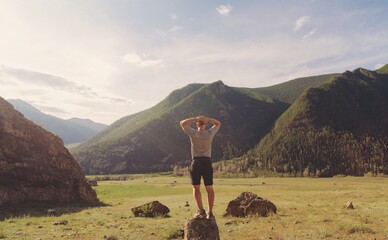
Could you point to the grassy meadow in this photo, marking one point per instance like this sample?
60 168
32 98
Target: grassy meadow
308 208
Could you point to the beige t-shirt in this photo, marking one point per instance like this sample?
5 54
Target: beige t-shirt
201 142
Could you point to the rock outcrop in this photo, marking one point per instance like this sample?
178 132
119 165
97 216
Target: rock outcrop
151 209
201 229
249 204
34 164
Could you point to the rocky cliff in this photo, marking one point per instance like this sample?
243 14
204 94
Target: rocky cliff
35 165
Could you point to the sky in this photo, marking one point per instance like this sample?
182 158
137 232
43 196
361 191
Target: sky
106 59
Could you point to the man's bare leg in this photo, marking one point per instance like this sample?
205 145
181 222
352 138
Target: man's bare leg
210 197
197 195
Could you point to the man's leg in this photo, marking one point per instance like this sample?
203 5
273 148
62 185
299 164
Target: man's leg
210 197
198 196
196 182
208 179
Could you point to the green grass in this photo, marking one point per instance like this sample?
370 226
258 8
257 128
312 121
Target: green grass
307 209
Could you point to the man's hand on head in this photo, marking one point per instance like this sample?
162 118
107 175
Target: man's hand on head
201 118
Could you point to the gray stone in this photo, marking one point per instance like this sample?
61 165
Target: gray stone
249 204
201 229
151 209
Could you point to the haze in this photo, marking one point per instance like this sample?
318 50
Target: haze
103 59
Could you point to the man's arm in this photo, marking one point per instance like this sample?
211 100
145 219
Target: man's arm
214 121
187 121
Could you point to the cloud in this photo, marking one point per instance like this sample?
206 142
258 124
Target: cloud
173 17
141 61
175 28
224 10
301 22
379 65
312 32
38 79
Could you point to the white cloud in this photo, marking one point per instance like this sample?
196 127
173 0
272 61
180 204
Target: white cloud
175 28
312 32
44 81
224 10
141 61
173 17
301 22
380 65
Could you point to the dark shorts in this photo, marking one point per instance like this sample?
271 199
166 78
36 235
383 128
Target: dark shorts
201 167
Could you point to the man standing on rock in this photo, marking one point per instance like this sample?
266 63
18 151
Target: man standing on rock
201 166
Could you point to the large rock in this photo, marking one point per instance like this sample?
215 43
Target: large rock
249 204
201 229
35 165
151 209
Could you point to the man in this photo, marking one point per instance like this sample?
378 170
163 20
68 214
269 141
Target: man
201 166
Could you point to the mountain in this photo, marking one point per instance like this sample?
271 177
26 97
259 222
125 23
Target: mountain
35 166
87 123
340 127
152 140
71 131
289 91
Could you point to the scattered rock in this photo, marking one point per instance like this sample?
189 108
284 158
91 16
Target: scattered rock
151 209
231 223
187 204
111 226
92 182
110 238
52 212
201 229
349 205
249 204
63 222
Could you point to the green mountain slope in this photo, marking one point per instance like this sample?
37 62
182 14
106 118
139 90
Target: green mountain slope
340 127
153 141
289 91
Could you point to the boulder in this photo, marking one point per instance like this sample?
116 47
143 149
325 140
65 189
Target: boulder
35 166
92 183
349 205
151 209
201 229
249 204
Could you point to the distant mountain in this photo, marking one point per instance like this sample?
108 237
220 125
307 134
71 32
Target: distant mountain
71 131
98 127
340 127
152 140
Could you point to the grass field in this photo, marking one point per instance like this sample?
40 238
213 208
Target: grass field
307 209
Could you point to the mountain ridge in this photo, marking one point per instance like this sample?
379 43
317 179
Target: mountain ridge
127 140
71 130
340 127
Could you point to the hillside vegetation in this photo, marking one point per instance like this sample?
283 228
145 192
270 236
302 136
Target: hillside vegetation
340 127
153 141
315 126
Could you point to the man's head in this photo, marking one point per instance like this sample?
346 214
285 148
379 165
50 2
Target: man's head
201 125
